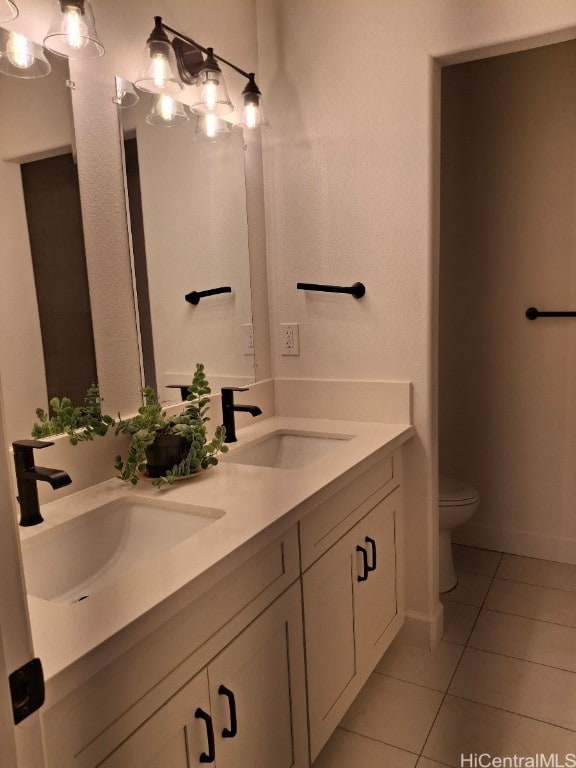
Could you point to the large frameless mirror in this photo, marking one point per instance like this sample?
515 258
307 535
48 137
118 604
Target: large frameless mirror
187 211
46 339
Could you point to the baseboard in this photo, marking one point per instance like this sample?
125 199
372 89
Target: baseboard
516 542
422 630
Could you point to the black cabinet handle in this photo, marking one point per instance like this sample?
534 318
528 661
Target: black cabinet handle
372 543
363 576
229 733
211 756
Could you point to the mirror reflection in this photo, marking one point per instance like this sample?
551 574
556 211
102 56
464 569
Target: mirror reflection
187 210
46 343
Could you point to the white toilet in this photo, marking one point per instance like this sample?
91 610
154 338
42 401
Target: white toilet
457 502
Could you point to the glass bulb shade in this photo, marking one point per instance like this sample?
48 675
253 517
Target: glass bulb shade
8 10
211 95
159 73
253 115
213 128
20 57
73 31
166 111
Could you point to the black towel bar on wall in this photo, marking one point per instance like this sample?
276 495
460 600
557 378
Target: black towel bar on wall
194 296
532 314
357 290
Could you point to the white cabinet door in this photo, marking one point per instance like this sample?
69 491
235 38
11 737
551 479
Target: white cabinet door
257 692
328 590
350 604
375 585
176 736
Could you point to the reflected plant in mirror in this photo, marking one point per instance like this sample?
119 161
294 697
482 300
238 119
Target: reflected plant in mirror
79 422
187 216
46 344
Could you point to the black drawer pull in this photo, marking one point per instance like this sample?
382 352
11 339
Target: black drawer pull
372 543
211 756
229 733
363 576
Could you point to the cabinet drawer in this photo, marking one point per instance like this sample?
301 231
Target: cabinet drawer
127 691
334 517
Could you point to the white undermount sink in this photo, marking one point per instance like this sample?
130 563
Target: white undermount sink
70 562
286 450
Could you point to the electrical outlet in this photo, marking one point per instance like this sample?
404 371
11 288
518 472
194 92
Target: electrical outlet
290 338
248 336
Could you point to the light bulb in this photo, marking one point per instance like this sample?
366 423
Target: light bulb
250 116
75 28
20 51
210 92
211 126
160 70
166 107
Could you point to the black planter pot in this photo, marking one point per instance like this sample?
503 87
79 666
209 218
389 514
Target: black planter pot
165 451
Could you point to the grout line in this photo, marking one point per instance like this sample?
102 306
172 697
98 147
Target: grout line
520 658
379 741
460 659
419 685
540 586
512 712
531 618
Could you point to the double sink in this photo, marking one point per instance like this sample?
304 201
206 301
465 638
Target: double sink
73 560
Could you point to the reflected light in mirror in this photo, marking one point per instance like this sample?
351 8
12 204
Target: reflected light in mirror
165 111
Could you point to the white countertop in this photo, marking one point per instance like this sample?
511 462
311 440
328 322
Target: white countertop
76 640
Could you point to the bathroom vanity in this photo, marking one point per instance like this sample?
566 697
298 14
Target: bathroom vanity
245 643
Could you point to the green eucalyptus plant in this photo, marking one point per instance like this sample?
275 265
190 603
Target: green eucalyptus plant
152 421
79 422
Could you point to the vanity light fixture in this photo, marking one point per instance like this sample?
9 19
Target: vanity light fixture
73 31
8 10
159 71
169 66
21 57
211 96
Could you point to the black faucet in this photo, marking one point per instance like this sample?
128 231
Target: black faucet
27 475
228 408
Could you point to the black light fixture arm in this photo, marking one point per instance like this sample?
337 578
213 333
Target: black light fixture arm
206 51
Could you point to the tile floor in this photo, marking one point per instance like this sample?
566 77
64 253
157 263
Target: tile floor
502 682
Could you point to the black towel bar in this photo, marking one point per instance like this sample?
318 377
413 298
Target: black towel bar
357 290
194 296
532 314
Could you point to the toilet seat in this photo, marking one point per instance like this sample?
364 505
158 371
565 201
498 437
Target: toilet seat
455 493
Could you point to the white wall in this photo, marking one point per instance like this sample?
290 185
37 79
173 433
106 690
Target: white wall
350 176
507 406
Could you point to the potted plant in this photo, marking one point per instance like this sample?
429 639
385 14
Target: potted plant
79 422
168 447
